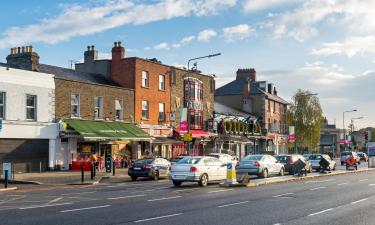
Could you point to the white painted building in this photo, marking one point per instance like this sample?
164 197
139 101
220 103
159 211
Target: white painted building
27 105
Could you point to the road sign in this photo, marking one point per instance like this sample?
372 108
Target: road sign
188 137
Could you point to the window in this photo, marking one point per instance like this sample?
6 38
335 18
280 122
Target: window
145 80
161 112
31 107
74 104
196 119
145 110
173 77
161 82
98 108
118 108
2 105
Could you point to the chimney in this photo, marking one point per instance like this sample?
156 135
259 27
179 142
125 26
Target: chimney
23 58
246 88
118 52
270 88
248 73
91 54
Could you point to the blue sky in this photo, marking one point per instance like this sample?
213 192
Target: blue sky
326 46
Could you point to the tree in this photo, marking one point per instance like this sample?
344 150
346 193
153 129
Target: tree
306 115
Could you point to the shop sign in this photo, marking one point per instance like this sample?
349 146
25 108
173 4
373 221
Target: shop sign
229 126
292 135
183 121
172 116
86 149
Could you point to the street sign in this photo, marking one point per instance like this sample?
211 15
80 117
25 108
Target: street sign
7 166
188 137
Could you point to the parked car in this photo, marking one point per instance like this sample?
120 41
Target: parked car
225 158
289 160
260 165
345 155
314 159
178 158
201 169
362 156
306 156
149 167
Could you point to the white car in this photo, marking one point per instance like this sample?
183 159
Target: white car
225 158
201 169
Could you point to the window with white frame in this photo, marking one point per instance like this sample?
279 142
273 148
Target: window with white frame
2 105
119 109
145 110
31 107
145 79
74 104
98 108
161 82
161 112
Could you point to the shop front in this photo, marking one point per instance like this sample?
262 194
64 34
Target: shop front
84 142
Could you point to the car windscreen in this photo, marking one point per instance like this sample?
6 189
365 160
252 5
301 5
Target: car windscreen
253 157
189 160
346 153
144 161
315 157
216 156
282 158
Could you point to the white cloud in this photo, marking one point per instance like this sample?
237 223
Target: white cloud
187 40
256 5
236 33
206 35
97 16
160 46
349 47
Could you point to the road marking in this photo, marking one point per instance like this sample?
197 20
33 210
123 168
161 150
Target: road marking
210 192
276 196
55 200
186 189
149 190
156 218
363 180
371 185
43 206
362 200
88 208
317 188
320 212
237 203
342 184
160 199
78 193
122 197
319 181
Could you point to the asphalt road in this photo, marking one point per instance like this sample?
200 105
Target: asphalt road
344 199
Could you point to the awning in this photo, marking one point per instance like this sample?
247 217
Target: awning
196 133
165 140
102 130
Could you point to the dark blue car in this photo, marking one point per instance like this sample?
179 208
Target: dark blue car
149 167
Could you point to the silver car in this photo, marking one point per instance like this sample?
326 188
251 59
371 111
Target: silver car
314 159
260 165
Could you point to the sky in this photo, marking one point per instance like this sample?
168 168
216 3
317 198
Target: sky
325 46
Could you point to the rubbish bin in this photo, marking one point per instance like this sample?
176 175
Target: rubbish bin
299 167
324 164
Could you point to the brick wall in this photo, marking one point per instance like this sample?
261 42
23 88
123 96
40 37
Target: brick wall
65 88
177 91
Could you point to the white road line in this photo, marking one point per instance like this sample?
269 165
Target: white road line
186 189
362 200
317 213
342 184
371 185
276 196
43 206
156 218
88 208
363 180
319 181
122 197
220 191
78 193
149 190
317 188
237 203
160 199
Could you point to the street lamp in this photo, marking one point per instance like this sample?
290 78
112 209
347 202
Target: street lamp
343 123
188 99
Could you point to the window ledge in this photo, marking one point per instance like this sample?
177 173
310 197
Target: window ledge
145 119
145 87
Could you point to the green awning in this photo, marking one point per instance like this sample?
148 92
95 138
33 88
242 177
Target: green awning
102 130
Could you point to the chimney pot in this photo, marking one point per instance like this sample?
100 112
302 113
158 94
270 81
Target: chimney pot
115 44
31 48
88 48
92 47
119 43
18 50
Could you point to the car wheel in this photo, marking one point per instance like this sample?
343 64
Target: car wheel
177 183
203 181
334 167
265 173
156 176
310 169
133 178
281 173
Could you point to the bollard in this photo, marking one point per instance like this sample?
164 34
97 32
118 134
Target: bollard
40 166
95 169
92 171
82 174
113 168
6 179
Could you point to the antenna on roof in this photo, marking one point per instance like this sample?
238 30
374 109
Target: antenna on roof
72 63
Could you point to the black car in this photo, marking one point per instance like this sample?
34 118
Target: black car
150 167
289 160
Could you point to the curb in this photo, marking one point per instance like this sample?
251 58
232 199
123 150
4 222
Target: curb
8 189
307 178
23 182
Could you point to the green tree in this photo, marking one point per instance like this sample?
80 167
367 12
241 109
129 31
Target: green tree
306 115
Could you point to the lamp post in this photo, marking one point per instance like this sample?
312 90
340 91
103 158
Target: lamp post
352 124
296 103
343 123
188 97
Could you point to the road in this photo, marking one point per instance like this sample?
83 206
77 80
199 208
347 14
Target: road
344 199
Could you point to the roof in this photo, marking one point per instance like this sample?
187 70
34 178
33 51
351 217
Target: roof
236 88
224 109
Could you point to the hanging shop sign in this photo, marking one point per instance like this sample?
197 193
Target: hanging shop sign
183 121
292 135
